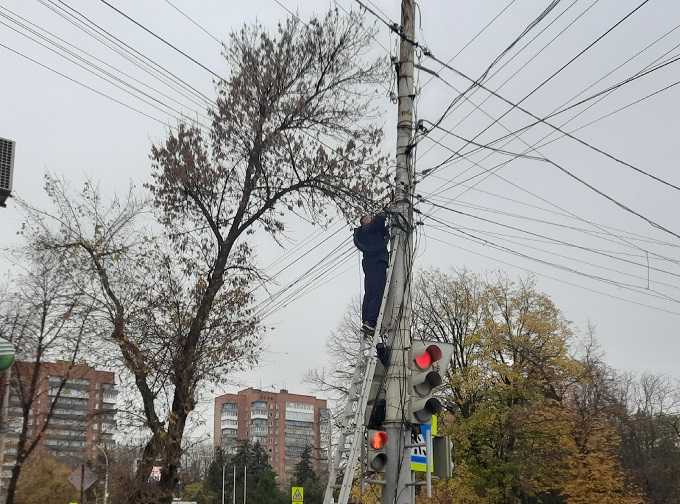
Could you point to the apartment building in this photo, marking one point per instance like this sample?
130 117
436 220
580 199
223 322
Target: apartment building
83 416
283 423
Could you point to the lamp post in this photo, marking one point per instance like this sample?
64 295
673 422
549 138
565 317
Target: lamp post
224 467
106 477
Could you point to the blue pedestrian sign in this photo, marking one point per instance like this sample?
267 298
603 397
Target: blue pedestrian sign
419 454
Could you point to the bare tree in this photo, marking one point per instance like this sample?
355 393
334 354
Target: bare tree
45 320
290 135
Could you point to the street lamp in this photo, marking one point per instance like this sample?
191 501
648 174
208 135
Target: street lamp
106 477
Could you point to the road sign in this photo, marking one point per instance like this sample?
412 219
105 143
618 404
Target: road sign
89 478
419 455
297 495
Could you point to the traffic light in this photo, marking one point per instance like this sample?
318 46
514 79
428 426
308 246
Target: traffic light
377 456
428 361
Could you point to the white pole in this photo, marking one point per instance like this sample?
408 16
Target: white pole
4 419
106 477
428 466
245 481
233 489
224 467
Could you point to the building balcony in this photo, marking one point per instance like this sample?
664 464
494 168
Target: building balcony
259 414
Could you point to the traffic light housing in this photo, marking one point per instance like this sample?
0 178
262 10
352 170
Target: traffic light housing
428 361
377 450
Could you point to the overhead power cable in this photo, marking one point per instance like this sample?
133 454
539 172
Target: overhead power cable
560 280
573 137
555 240
169 44
475 37
632 287
100 93
90 55
508 238
193 21
618 230
567 105
79 19
514 56
548 9
107 76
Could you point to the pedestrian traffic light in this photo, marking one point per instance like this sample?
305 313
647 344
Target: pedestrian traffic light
428 362
377 444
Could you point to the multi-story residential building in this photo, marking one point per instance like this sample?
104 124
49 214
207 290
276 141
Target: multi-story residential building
283 423
83 415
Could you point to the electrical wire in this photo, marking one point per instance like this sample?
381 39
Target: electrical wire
166 42
560 280
95 58
624 285
107 76
538 235
546 11
87 25
514 56
193 21
475 37
75 81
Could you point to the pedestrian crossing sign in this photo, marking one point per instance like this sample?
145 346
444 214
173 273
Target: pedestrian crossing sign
297 493
419 454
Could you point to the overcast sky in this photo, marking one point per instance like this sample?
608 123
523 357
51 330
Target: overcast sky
69 130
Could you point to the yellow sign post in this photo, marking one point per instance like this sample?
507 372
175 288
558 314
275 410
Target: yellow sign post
297 495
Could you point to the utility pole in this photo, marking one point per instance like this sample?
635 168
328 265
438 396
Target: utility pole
398 468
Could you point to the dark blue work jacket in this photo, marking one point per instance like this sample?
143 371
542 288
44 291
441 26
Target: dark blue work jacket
372 238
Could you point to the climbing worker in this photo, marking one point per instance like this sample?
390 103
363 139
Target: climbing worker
371 239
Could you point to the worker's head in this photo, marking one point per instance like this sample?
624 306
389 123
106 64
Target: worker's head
365 219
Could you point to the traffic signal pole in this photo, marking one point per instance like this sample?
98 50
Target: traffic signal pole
398 468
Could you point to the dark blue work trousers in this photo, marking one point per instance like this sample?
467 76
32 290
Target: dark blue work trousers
375 276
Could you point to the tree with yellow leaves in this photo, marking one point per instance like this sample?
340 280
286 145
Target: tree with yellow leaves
44 480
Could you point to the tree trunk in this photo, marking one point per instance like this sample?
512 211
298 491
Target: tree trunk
16 470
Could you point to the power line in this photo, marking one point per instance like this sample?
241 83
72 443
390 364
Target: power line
636 236
569 135
100 93
475 37
552 223
548 9
582 181
108 76
512 58
560 280
538 235
505 237
78 19
193 21
169 44
566 107
631 287
95 58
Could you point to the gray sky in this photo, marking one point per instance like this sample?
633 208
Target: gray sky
62 127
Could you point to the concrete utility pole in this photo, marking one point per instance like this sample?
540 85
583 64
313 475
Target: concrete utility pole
398 468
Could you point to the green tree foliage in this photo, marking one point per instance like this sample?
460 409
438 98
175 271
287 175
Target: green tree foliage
530 422
305 476
199 492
